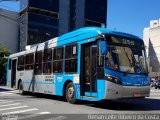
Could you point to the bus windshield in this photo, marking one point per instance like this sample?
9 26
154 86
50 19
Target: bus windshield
126 55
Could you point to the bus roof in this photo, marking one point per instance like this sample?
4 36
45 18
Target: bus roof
74 34
96 30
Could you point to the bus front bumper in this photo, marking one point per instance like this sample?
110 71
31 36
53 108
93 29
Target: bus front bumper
114 91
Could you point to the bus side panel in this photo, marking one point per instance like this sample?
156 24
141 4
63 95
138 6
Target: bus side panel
77 85
27 82
40 84
59 83
101 89
8 75
20 75
9 78
44 84
78 95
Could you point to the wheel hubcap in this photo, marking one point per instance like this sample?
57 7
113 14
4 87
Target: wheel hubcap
71 92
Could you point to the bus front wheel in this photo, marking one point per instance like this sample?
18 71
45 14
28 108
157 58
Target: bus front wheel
70 93
21 91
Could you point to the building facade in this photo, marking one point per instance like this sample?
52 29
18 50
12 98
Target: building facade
41 20
152 41
9 30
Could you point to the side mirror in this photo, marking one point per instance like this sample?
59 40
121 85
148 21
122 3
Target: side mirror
102 47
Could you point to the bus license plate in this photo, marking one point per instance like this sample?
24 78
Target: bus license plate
137 95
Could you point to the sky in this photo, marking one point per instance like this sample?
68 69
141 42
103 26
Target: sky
130 16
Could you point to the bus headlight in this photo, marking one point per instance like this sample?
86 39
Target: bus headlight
113 79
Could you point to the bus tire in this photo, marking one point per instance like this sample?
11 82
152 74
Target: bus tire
21 91
70 93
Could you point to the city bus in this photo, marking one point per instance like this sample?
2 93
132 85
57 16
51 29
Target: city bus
90 63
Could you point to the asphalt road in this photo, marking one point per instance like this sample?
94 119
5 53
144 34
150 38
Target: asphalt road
46 107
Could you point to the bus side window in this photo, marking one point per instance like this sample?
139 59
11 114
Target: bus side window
71 58
58 60
47 61
38 63
29 61
9 64
20 63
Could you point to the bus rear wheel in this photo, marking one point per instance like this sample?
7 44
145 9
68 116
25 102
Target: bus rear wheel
21 91
70 93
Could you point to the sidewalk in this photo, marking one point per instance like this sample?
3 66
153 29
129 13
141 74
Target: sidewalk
5 88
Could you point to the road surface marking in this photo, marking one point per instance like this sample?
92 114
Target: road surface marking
42 113
3 100
155 94
6 101
155 90
57 118
32 116
13 91
13 108
20 111
6 93
9 105
153 97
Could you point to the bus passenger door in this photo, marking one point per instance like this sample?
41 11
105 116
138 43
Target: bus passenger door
88 70
13 73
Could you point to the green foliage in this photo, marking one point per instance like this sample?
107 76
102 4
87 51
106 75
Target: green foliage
3 60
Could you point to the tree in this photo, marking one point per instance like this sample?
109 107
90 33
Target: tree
3 62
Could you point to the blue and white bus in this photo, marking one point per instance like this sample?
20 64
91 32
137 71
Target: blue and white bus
88 64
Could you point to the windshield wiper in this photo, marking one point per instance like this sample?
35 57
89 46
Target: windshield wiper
135 63
127 56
